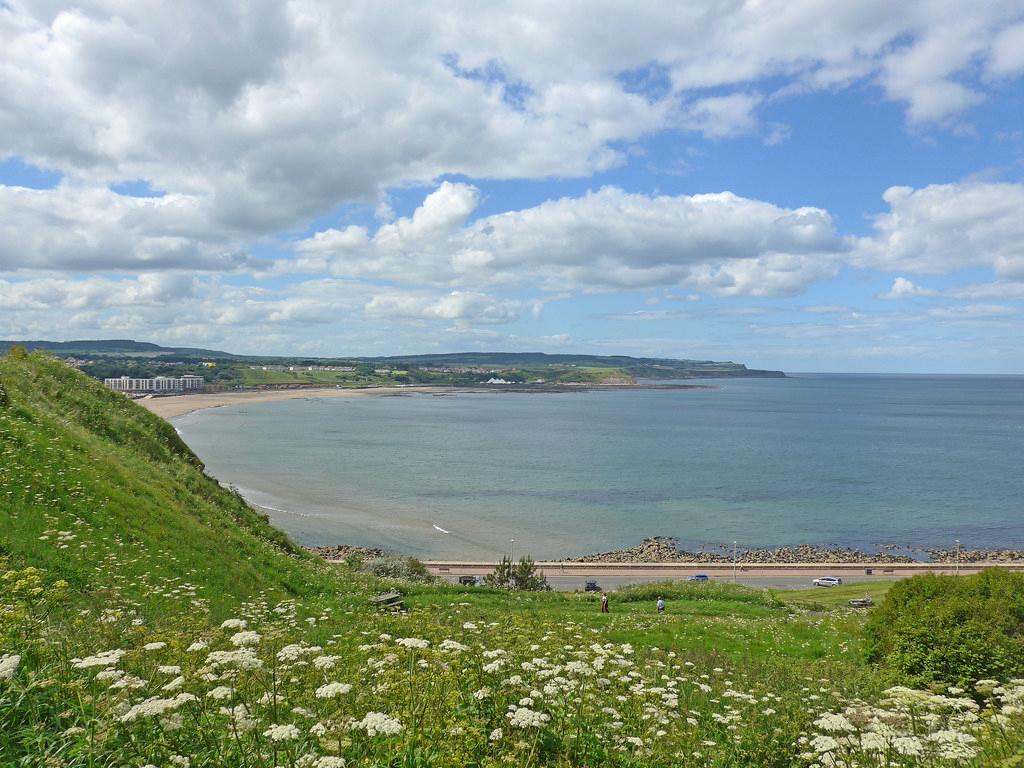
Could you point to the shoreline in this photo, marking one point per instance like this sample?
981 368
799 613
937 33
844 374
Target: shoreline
172 406
181 405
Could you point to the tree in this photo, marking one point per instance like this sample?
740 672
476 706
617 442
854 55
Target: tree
522 576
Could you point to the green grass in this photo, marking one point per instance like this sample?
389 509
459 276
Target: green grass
113 537
76 457
821 598
250 378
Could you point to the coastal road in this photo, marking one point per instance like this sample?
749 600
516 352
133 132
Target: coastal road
574 583
569 576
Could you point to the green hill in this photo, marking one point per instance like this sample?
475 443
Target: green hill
85 467
115 347
150 619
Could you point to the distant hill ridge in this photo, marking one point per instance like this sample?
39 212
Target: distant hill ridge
108 346
640 366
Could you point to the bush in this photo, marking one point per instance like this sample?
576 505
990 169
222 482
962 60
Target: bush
521 576
951 629
397 567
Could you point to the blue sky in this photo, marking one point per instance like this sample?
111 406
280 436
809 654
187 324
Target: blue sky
786 185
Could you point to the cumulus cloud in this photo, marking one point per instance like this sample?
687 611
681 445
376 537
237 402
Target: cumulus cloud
269 113
457 306
720 244
169 306
905 289
947 227
81 228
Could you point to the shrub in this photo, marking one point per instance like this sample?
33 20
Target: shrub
397 567
951 629
521 576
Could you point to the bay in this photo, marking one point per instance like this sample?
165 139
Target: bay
850 460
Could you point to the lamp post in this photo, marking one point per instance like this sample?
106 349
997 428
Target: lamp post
734 562
957 570
512 550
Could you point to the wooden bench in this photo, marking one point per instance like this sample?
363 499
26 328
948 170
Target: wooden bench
390 601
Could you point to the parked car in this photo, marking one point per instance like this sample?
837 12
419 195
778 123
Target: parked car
698 577
469 581
827 581
591 586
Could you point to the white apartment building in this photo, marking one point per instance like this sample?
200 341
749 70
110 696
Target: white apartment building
158 384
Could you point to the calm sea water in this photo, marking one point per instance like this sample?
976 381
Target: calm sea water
848 460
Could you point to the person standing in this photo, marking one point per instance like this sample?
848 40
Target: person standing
661 605
604 602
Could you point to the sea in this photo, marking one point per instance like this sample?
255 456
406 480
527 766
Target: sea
863 461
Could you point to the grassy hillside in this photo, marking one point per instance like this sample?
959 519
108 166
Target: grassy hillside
149 618
87 474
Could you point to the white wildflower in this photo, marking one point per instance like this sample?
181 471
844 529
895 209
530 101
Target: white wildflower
279 732
834 723
412 642
155 706
234 624
246 638
175 684
331 690
907 745
527 718
103 659
220 693
157 646
9 665
375 723
244 658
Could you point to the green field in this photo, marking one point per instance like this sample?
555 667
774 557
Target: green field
148 617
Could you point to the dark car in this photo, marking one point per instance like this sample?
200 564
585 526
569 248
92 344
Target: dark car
469 581
698 577
591 586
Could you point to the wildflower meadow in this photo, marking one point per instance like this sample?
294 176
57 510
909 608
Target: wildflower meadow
149 618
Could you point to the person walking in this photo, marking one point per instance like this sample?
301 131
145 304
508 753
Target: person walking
604 602
661 605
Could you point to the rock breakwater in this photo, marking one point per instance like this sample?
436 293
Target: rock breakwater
664 549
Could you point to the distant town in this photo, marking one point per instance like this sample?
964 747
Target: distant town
142 369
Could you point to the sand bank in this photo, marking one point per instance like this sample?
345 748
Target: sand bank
179 405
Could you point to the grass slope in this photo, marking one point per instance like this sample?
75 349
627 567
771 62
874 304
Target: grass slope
84 465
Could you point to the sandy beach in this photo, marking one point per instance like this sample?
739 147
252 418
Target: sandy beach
179 405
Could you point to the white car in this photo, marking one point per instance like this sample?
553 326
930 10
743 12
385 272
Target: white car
827 581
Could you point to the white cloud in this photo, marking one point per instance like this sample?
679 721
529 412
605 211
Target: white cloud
718 243
946 227
269 113
723 117
456 306
170 306
905 289
1007 56
81 228
985 291
827 309
974 311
